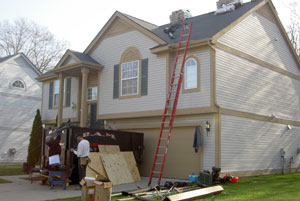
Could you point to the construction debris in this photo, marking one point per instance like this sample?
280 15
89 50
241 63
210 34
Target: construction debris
195 194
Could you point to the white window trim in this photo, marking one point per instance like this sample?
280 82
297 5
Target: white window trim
138 78
185 74
17 88
87 95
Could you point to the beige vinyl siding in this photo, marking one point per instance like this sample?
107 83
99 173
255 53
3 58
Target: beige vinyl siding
249 145
201 98
68 112
208 144
261 38
69 61
108 53
248 87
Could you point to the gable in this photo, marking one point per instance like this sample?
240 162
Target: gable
258 36
120 24
117 27
69 60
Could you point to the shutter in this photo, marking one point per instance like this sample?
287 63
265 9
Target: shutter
144 81
68 92
50 95
116 81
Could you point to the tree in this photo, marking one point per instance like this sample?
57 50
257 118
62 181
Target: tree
34 40
293 29
34 148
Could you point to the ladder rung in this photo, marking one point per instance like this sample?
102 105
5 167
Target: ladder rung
185 34
163 138
159 155
156 172
158 163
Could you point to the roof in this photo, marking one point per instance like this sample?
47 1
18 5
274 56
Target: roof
146 25
6 58
83 57
3 59
206 25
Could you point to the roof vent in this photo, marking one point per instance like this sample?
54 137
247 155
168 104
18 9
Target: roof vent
179 16
224 6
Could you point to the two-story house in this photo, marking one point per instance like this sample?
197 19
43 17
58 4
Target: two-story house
241 76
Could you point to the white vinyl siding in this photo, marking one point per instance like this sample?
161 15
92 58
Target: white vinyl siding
130 78
249 145
190 74
108 53
248 87
18 107
262 39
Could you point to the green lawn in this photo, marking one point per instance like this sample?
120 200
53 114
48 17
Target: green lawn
262 188
8 170
3 181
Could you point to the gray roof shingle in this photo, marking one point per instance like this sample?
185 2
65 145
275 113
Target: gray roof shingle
84 57
206 25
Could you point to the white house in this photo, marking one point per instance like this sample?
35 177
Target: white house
20 97
244 80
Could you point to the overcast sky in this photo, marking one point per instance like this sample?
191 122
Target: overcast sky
78 21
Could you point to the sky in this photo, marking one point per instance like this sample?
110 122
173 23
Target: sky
79 21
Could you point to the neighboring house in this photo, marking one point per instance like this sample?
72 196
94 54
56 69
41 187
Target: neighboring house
20 97
242 78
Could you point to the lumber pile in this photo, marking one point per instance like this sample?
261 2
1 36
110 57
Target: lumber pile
113 165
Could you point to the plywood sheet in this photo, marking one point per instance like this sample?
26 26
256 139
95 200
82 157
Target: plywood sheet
131 164
95 167
108 148
116 168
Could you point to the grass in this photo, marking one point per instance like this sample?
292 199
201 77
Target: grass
9 170
3 181
262 188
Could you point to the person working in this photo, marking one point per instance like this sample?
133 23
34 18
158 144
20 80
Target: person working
83 152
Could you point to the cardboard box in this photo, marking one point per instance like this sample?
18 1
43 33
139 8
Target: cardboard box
88 190
103 191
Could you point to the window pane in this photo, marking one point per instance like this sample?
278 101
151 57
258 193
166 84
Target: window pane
56 99
130 78
190 77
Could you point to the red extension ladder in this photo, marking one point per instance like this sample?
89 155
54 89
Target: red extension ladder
171 105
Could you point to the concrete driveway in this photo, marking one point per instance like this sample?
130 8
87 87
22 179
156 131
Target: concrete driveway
21 189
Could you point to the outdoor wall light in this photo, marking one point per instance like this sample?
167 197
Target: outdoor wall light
207 126
289 127
73 106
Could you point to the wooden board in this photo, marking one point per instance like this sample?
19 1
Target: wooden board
120 167
108 148
96 164
131 164
192 195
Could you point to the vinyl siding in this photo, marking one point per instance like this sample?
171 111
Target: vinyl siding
256 36
208 145
68 112
201 98
249 145
248 87
108 53
18 107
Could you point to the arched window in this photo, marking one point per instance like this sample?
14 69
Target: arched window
191 74
19 84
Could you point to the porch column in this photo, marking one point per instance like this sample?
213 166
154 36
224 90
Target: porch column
83 115
60 100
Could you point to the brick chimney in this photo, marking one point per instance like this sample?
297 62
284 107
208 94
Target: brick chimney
221 2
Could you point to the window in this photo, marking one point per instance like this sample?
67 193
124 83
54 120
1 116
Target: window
129 78
56 93
18 84
92 93
191 74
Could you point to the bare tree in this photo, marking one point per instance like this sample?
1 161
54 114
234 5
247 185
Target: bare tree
293 29
34 40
